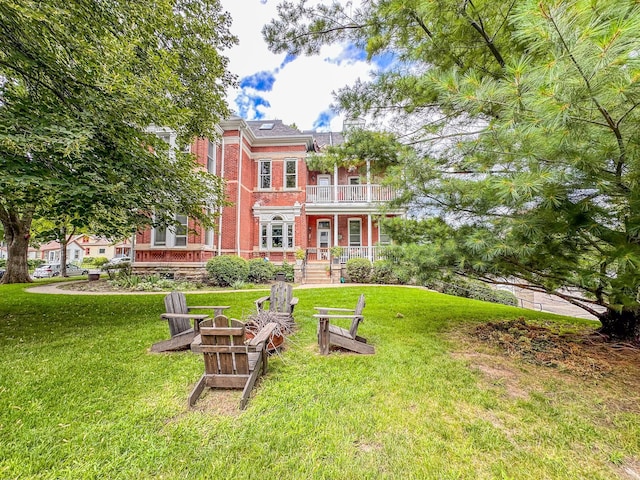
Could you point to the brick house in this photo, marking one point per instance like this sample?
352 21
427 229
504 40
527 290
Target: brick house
277 204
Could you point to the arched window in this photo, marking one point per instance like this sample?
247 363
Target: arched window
277 233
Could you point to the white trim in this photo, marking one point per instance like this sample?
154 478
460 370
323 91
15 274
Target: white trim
359 221
285 175
260 175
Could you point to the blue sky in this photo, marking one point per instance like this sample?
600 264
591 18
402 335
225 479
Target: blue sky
283 87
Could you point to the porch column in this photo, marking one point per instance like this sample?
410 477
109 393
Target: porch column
369 181
335 183
335 229
370 237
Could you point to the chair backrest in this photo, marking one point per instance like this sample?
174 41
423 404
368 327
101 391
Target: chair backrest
176 302
228 355
280 299
358 317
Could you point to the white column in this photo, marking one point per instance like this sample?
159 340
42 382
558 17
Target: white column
370 237
335 229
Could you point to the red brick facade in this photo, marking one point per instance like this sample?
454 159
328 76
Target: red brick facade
265 216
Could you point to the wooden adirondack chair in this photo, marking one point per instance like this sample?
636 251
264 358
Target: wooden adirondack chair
228 361
179 317
281 299
334 336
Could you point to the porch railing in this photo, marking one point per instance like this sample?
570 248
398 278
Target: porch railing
320 254
349 193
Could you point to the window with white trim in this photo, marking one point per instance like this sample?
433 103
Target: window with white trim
264 174
174 236
276 234
355 232
290 173
383 237
180 239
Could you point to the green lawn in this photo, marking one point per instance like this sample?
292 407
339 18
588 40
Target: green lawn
80 397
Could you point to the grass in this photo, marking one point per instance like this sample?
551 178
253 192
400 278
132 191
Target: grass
80 397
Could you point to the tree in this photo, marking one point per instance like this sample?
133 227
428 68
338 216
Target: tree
81 83
524 122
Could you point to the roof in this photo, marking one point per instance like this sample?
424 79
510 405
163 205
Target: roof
324 139
271 128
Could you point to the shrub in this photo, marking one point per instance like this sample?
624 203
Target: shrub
227 269
287 269
359 270
382 272
34 263
95 261
475 289
261 270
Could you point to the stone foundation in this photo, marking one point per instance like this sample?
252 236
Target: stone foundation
178 271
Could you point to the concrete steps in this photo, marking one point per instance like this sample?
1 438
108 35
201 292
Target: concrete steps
316 273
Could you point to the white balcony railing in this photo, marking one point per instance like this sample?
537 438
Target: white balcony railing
372 253
349 194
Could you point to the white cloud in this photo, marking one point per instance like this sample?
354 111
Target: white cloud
302 89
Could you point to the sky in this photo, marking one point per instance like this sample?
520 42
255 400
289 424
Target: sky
281 87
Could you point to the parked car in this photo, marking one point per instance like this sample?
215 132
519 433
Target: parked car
49 270
116 261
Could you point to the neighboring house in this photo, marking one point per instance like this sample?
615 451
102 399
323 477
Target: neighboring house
101 247
50 252
277 204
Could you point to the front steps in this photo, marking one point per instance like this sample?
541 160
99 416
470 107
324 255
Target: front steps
316 273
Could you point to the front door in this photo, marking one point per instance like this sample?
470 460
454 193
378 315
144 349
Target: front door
324 239
324 188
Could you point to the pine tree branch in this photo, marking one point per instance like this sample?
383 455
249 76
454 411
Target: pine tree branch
480 29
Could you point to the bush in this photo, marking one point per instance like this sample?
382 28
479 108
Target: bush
382 272
34 263
95 261
359 270
287 269
475 289
261 271
225 270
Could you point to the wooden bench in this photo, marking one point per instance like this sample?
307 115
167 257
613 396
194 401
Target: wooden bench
228 361
334 336
179 317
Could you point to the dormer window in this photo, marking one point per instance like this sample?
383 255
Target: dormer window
266 126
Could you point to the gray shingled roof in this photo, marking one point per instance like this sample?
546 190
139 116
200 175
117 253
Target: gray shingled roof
324 139
279 129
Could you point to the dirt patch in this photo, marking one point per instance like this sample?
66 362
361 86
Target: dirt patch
101 285
583 353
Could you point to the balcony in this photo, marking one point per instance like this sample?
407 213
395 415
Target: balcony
349 194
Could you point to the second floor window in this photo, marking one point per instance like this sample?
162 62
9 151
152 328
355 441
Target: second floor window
290 173
174 236
181 231
264 174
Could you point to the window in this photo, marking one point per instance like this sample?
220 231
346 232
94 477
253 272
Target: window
264 173
102 250
211 157
354 233
175 236
160 235
87 251
208 237
276 234
383 237
291 173
181 231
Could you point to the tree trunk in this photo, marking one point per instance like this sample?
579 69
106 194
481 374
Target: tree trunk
16 232
63 251
621 325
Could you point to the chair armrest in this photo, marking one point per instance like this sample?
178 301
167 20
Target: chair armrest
261 300
321 315
209 307
197 316
336 309
263 335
